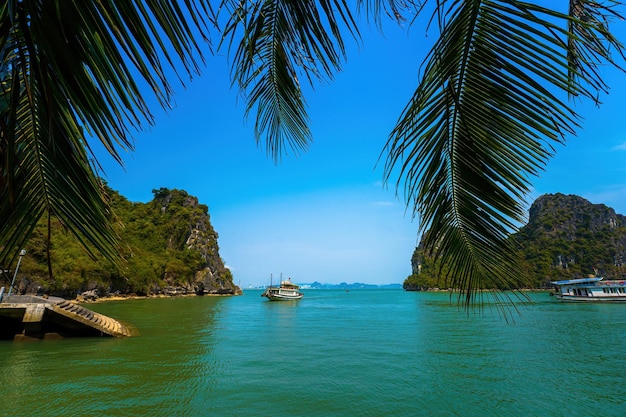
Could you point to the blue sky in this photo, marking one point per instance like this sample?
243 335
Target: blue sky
325 215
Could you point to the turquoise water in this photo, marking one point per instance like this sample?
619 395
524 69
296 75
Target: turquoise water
334 353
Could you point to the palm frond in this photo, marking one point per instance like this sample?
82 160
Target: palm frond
590 43
396 10
71 72
491 104
281 39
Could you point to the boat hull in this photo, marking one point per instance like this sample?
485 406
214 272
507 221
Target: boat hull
592 299
280 297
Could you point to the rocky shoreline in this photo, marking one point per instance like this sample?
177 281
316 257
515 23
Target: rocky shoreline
94 295
89 300
205 284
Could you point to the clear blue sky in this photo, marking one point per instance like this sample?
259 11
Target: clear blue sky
325 216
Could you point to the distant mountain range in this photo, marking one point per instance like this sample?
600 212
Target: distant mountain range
353 286
344 286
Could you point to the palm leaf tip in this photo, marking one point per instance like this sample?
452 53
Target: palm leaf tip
282 43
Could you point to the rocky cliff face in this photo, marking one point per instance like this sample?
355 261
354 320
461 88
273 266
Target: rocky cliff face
566 216
567 237
198 236
417 260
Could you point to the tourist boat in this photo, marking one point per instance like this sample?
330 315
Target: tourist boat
593 289
285 292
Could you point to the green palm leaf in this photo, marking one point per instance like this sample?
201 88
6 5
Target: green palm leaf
69 74
590 42
281 39
489 109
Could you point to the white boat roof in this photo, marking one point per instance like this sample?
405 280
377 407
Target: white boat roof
577 281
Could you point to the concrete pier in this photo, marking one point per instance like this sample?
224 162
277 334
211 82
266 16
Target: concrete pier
24 317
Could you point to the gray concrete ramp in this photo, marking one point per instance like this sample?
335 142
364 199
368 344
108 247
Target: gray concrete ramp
31 317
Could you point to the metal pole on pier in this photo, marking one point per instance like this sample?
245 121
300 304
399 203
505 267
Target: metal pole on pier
22 253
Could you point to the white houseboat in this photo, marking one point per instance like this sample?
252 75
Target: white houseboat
285 292
592 289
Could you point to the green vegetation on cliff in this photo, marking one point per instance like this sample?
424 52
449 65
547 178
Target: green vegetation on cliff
566 237
168 245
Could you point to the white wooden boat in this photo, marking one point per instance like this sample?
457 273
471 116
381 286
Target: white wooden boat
285 292
593 289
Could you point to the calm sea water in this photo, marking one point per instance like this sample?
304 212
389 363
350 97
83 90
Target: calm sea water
334 353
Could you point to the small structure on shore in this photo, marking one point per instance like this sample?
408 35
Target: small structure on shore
26 317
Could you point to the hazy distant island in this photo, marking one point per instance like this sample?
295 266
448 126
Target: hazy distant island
566 237
353 286
341 286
